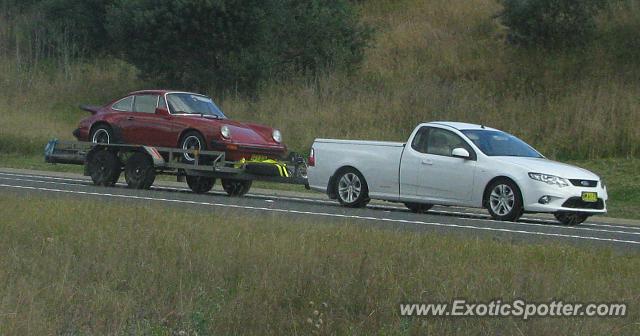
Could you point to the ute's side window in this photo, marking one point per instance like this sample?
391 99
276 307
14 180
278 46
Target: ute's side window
419 142
124 104
443 142
145 103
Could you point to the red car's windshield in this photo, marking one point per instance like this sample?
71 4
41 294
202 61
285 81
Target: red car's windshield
189 103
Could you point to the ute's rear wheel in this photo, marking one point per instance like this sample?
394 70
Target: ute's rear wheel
352 189
419 207
139 171
236 188
200 184
104 168
571 218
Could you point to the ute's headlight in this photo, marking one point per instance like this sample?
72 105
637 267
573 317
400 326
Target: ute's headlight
225 131
277 136
550 179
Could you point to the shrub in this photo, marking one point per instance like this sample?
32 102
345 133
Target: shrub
234 43
550 23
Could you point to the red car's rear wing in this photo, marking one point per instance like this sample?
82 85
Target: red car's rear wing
90 108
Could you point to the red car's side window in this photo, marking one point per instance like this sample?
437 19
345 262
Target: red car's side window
124 104
145 103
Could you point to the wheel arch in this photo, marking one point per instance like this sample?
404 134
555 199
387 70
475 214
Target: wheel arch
116 131
331 190
485 192
187 130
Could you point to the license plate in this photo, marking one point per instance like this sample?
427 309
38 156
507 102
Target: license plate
258 157
589 196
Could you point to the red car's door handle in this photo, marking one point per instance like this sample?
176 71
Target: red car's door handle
130 118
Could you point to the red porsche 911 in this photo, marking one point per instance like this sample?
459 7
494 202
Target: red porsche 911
178 119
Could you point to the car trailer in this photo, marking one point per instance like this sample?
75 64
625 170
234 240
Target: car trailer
104 163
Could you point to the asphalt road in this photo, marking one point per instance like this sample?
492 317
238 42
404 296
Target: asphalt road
318 209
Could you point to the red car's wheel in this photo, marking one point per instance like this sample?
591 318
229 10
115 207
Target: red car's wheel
192 141
101 134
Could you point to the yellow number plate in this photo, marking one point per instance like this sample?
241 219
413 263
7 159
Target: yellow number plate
589 196
258 157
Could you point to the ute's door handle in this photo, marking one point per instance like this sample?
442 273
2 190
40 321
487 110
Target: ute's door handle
130 118
427 162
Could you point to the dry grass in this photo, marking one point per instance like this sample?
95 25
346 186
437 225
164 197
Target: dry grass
86 267
429 60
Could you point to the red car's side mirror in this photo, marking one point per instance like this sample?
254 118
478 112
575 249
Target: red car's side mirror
162 111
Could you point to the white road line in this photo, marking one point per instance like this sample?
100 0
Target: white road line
481 216
37 181
324 214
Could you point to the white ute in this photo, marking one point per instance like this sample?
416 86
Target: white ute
451 163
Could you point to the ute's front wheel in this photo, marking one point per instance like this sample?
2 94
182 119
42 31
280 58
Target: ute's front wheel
504 201
571 218
236 188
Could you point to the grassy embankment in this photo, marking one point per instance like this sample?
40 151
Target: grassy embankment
147 269
428 60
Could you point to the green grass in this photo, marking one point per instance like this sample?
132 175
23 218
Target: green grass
623 184
73 266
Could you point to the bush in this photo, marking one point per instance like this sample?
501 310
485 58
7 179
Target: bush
550 23
53 29
234 43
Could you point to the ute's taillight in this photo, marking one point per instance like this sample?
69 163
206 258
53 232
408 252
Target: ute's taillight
312 158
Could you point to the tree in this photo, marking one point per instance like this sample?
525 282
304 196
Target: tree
550 23
234 43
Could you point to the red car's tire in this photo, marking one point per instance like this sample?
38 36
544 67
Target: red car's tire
191 140
101 133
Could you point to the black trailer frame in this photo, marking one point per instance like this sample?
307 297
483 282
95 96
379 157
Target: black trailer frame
104 163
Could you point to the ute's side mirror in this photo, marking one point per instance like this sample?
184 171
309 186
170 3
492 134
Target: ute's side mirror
461 153
162 111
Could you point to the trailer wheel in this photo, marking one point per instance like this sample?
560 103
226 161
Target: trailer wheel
139 171
236 188
104 168
200 184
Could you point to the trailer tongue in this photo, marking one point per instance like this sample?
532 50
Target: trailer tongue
104 163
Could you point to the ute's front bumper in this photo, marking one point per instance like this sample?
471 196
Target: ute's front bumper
542 197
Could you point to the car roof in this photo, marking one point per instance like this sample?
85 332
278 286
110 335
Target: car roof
461 125
161 91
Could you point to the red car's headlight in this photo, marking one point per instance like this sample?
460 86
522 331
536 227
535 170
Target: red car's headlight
277 136
225 131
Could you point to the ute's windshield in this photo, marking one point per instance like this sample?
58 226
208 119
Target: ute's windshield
497 143
189 103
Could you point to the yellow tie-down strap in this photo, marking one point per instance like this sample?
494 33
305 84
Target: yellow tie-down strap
282 168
